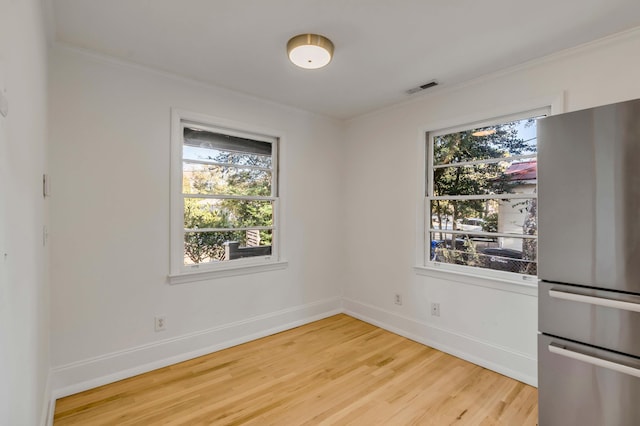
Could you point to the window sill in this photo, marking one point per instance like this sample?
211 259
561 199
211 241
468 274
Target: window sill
231 271
527 285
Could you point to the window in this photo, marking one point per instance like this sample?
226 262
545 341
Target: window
224 195
481 187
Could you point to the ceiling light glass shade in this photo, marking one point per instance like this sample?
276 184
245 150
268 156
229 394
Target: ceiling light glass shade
310 51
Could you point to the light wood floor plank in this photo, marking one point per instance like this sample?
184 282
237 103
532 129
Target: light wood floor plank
336 371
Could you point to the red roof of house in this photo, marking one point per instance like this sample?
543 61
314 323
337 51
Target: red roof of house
525 170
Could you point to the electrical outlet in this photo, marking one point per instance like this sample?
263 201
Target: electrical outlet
435 309
161 323
397 299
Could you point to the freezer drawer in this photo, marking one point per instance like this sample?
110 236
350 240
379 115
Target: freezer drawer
596 317
582 386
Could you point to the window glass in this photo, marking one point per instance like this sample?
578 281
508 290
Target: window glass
229 193
481 196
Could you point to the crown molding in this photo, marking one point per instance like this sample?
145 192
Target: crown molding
552 57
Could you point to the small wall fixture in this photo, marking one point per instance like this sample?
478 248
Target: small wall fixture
310 51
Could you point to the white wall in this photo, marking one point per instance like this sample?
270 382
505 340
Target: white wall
110 140
351 206
24 306
486 322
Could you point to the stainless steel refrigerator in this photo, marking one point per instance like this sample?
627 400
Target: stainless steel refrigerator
589 266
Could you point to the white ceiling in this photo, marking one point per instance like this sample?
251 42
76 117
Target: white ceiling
383 47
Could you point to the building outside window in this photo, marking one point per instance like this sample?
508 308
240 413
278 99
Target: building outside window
481 189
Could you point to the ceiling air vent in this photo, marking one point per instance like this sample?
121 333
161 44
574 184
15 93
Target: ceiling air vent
423 87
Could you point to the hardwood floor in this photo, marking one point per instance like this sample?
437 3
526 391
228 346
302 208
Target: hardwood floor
336 371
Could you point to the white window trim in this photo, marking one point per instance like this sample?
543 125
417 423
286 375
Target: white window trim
499 280
179 273
470 275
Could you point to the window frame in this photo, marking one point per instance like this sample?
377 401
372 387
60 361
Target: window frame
525 284
179 272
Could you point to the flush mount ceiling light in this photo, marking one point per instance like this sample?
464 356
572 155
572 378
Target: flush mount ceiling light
310 51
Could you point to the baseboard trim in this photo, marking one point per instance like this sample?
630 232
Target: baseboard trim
48 404
90 373
508 362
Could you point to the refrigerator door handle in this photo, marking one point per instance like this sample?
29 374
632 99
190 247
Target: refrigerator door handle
598 362
599 301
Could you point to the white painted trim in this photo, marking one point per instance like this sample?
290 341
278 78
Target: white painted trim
483 161
243 269
506 361
48 404
516 196
556 102
50 411
127 64
179 273
90 373
557 56
528 286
